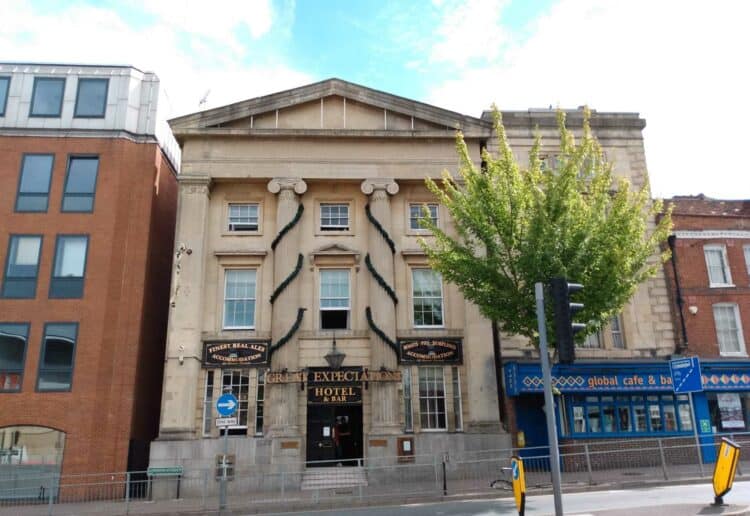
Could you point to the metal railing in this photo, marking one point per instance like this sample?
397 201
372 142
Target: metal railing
604 462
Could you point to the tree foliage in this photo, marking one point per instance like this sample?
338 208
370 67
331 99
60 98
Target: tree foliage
515 227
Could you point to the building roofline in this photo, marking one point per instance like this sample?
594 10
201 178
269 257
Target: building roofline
80 65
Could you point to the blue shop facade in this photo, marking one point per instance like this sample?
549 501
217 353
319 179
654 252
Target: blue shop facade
629 399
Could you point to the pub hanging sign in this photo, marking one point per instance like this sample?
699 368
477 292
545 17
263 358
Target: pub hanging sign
442 350
236 353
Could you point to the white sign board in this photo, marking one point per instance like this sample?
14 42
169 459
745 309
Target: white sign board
226 421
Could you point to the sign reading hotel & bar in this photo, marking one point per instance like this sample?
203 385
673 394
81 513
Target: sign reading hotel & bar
340 386
430 351
236 353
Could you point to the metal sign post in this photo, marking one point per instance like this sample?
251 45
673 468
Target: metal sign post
687 379
549 402
226 406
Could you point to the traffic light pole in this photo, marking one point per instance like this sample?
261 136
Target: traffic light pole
549 401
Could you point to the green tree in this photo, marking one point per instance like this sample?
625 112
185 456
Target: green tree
517 226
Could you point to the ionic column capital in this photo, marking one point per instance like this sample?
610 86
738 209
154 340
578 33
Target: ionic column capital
194 183
372 185
278 184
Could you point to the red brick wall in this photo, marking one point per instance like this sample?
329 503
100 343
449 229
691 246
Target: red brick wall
693 277
123 312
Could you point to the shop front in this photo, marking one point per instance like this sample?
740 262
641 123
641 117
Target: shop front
629 400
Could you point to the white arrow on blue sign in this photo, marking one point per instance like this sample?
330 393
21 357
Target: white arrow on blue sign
226 405
686 375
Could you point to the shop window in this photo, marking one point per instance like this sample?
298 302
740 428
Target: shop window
629 414
458 420
208 403
22 266
4 87
432 398
58 354
728 329
717 266
39 447
260 398
334 217
239 299
730 411
13 339
416 213
91 98
80 184
334 299
427 298
237 381
69 268
47 97
408 411
34 182
243 217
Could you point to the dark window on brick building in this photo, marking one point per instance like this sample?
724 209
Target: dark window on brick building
22 266
70 266
57 358
13 338
80 184
34 182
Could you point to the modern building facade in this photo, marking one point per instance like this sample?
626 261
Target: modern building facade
709 278
300 286
87 211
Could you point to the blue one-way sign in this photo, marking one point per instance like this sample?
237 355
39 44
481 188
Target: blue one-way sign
226 405
686 375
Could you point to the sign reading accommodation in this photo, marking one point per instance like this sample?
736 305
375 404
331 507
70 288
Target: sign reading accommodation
236 353
430 351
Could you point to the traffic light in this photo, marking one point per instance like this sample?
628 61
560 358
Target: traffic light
564 310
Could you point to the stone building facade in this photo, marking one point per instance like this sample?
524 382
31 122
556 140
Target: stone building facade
298 217
87 211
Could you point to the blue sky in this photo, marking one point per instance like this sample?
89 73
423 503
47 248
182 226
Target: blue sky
679 63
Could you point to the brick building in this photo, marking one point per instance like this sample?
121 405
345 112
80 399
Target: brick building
709 279
87 212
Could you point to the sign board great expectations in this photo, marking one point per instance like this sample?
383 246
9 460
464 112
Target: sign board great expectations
236 353
442 350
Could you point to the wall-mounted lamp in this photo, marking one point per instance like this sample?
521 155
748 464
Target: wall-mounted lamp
693 309
335 357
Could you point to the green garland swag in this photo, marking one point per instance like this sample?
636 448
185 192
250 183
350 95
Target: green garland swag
380 229
283 340
289 226
288 279
381 281
380 333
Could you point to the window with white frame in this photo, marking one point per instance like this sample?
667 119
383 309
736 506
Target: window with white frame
334 217
747 258
237 381
729 329
432 398
615 327
593 340
334 299
458 420
427 298
243 216
260 397
208 402
239 299
416 213
717 265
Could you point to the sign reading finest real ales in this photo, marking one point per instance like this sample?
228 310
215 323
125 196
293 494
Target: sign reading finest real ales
430 351
236 353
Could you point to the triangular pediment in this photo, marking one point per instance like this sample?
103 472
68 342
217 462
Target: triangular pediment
334 251
330 106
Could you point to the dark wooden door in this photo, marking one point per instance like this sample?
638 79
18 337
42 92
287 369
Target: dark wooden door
320 428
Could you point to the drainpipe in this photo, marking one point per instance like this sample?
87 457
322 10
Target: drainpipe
682 345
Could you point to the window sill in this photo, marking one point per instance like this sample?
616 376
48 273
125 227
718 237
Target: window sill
238 328
227 233
321 232
736 354
434 430
721 285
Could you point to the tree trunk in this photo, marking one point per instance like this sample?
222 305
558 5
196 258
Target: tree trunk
498 352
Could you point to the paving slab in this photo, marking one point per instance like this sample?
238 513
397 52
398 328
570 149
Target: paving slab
675 510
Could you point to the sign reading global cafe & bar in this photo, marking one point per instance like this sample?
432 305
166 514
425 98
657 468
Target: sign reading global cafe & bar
442 350
236 353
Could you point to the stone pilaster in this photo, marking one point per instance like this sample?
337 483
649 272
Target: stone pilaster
385 399
283 404
184 345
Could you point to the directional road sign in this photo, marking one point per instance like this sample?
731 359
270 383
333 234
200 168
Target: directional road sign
686 375
226 405
225 421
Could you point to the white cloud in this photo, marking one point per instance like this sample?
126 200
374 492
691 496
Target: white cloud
682 65
187 64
